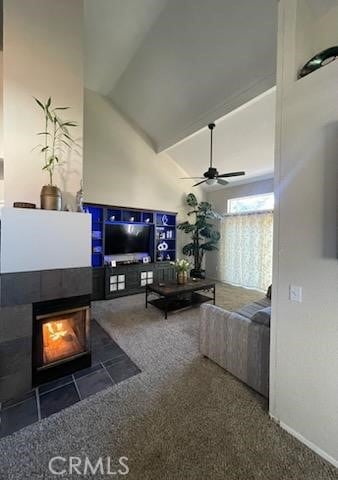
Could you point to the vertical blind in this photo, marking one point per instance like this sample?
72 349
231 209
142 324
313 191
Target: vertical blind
246 249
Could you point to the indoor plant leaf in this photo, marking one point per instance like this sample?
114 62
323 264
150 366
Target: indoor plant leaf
191 200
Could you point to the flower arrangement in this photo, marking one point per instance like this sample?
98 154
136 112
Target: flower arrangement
182 265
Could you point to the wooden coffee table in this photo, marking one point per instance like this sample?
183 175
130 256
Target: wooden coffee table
171 296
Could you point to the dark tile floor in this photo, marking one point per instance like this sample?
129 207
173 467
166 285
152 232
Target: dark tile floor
110 365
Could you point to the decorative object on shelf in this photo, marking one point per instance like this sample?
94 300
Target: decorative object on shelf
162 246
211 176
164 219
167 257
132 219
169 234
148 220
146 259
112 218
161 235
24 205
320 60
181 267
204 237
57 137
96 235
97 249
159 257
79 199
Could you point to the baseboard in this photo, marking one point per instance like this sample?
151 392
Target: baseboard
306 442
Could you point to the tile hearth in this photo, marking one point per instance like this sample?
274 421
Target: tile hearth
110 365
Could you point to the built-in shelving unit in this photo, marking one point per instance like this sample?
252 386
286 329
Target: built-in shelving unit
165 236
97 234
126 279
162 245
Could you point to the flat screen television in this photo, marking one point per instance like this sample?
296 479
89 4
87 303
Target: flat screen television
127 238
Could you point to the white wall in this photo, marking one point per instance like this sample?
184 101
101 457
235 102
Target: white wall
43 240
2 193
121 168
1 108
218 199
43 56
1 182
304 360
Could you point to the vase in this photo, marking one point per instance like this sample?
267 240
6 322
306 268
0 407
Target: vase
182 278
50 197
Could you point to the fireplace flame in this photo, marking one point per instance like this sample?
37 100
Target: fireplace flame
58 333
62 337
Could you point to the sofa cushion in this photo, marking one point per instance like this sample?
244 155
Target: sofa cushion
262 316
249 310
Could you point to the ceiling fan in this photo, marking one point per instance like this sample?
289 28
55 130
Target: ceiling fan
211 176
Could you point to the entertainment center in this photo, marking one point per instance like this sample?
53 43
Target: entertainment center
131 248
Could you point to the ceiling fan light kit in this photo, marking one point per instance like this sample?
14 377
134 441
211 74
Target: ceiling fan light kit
212 181
211 176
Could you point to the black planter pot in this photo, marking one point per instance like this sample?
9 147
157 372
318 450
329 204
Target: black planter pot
197 273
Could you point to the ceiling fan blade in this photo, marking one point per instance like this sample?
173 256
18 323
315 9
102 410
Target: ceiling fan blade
222 182
199 183
231 174
190 178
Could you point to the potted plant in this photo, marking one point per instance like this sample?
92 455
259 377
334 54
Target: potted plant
204 236
181 267
56 140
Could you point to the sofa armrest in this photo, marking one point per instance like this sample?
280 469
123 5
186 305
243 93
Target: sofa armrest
237 344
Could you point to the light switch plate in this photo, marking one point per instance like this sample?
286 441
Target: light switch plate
295 294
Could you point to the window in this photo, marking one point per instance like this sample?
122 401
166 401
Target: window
252 203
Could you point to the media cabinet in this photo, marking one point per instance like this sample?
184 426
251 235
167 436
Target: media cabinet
127 279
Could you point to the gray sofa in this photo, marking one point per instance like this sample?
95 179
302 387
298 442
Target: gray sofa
239 341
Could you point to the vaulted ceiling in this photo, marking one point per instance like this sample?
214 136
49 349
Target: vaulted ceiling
242 140
172 66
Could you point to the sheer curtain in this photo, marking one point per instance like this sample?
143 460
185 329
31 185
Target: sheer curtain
246 249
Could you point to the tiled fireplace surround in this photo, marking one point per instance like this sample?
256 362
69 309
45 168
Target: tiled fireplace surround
18 292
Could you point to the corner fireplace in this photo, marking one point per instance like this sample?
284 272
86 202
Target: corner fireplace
61 337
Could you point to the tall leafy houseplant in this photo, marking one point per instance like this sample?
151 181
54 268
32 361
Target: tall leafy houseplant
204 236
57 139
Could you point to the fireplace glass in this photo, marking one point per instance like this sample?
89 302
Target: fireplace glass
63 336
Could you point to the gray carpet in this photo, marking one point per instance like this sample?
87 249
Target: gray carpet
183 417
